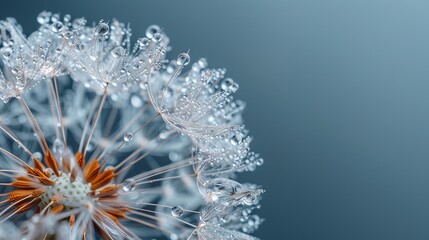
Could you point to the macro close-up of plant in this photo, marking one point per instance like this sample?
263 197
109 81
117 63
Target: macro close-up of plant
106 137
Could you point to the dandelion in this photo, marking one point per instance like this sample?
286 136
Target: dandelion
107 139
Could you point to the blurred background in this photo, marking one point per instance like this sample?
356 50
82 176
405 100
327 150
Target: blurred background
338 102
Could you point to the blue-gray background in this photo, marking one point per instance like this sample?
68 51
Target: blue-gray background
338 102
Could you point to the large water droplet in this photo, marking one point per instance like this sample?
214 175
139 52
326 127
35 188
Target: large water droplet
183 59
118 52
128 136
222 187
101 29
177 211
129 185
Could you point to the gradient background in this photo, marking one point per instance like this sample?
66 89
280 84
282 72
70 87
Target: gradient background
338 102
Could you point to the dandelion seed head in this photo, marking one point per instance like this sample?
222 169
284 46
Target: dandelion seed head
110 138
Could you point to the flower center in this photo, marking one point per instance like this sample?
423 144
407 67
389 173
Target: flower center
74 193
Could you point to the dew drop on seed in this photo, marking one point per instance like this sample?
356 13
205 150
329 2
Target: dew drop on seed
151 30
226 83
177 211
15 70
249 199
43 17
183 59
101 29
55 17
136 101
128 136
143 42
58 146
79 46
6 53
129 185
57 27
118 52
236 139
202 63
68 35
164 134
157 37
35 218
67 18
50 171
259 161
37 155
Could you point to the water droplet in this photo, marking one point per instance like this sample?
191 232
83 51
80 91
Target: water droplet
78 23
143 42
249 199
37 155
222 187
157 37
101 29
6 53
151 30
226 83
236 139
57 27
36 218
55 17
15 70
177 211
129 185
43 17
50 171
128 136
58 146
68 35
67 18
233 87
183 59
79 46
136 101
202 62
174 236
118 52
